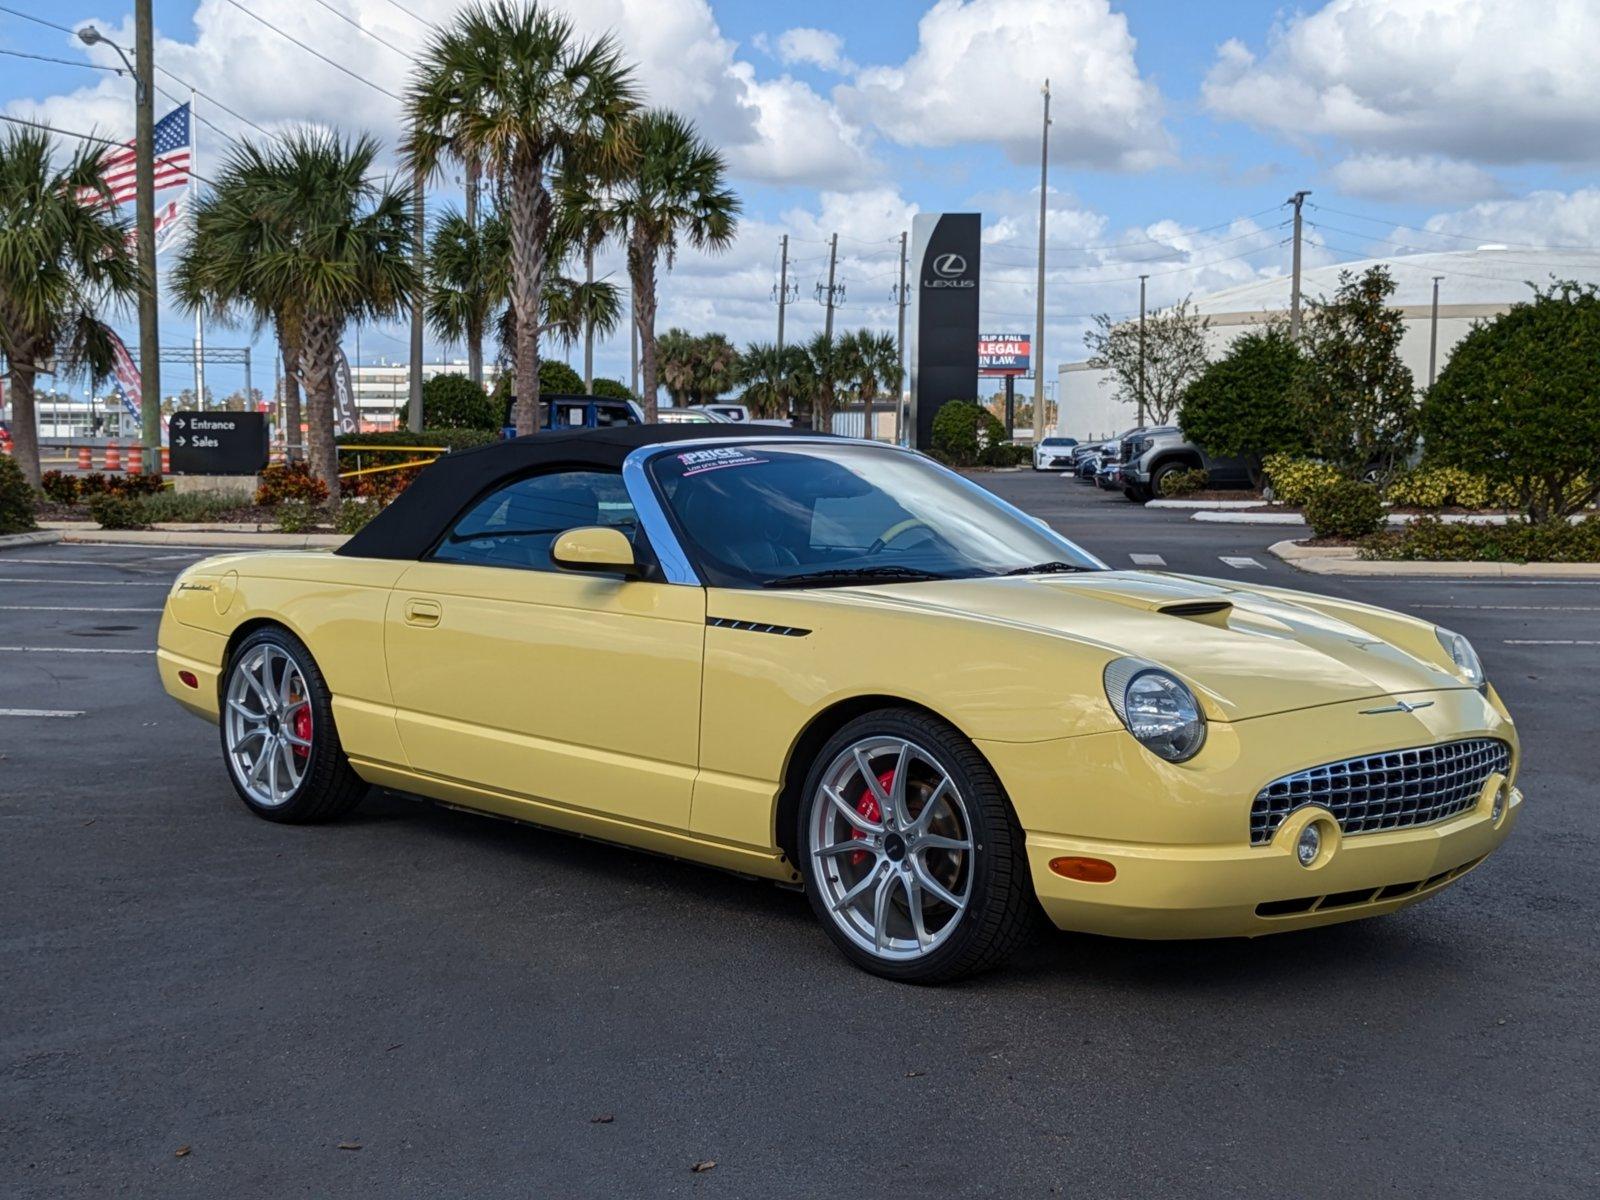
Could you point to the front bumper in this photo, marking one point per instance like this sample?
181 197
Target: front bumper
1178 834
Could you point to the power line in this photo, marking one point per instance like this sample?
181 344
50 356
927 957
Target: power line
38 20
1460 237
414 16
1523 262
87 137
65 62
1149 240
349 20
377 87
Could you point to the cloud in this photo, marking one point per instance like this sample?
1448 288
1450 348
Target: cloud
975 74
776 131
820 48
1480 80
1423 178
1544 219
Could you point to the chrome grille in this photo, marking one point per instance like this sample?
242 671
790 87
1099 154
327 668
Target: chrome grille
1391 790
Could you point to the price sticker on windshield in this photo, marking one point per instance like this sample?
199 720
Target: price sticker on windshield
698 462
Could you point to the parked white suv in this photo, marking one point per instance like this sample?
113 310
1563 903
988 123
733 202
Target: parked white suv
1054 454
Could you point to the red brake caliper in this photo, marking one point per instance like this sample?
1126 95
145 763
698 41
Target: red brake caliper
867 807
302 728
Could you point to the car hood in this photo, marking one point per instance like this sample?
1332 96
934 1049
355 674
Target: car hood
1249 653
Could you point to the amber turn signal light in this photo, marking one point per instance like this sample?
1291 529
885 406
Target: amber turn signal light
1088 870
187 678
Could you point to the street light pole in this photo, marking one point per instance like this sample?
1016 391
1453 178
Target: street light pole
1433 332
1039 411
1142 278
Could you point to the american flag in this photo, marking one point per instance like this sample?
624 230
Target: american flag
129 389
172 151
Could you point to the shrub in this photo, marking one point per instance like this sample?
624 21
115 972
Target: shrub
1185 482
190 506
92 483
455 402
1344 509
296 516
963 430
556 376
1294 479
16 498
1517 402
1440 487
1428 539
1005 454
134 485
1242 406
290 481
450 439
59 486
353 515
612 389
112 511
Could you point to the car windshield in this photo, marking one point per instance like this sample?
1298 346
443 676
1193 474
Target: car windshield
764 514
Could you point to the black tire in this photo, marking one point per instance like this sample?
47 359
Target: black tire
1135 494
1160 474
1001 912
329 787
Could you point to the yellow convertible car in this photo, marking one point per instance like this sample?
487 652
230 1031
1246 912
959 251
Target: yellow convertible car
837 664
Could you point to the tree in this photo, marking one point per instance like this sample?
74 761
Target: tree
455 402
64 265
675 361
611 389
1172 355
469 280
320 231
555 376
819 379
871 365
241 401
671 189
1242 405
1519 402
1354 394
508 86
963 430
770 377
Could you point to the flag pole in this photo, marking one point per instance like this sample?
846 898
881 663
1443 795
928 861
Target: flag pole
199 325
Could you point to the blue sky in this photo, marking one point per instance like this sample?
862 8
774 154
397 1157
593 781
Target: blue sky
1180 129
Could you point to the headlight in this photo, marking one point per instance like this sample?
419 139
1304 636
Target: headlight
1463 655
1157 708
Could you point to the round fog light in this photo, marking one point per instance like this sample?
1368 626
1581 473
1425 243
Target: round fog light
1499 808
1309 845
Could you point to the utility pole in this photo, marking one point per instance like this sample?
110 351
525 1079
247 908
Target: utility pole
418 233
1142 278
145 221
1298 199
588 322
783 286
900 342
1038 300
199 322
833 259
1433 333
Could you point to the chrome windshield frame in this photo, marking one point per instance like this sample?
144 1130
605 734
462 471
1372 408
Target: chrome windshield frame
676 565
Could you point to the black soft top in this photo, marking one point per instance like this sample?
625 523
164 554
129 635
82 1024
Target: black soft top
422 514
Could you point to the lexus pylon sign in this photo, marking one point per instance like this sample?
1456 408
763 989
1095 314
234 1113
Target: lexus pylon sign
945 251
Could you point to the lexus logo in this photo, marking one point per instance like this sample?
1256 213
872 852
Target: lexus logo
948 266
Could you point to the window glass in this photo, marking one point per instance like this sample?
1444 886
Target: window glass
515 526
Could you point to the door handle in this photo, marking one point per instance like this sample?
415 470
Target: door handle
423 612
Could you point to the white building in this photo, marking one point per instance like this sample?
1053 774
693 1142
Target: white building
1473 285
382 390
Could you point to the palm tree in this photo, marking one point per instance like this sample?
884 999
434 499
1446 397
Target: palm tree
716 367
468 279
674 357
63 264
585 222
671 189
508 86
326 234
824 369
871 364
770 377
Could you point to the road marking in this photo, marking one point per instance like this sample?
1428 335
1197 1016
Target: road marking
78 562
91 582
1241 564
1148 560
69 608
41 712
1551 642
70 650
1512 607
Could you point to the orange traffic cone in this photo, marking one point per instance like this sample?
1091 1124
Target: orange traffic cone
85 459
135 464
113 457
166 460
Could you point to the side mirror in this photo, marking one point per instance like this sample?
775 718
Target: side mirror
595 548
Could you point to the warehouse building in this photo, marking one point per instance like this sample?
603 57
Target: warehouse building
1473 286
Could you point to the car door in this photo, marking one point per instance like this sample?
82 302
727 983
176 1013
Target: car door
573 689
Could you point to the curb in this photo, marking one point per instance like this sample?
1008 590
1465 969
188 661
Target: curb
1342 560
205 539
40 537
1292 518
1217 505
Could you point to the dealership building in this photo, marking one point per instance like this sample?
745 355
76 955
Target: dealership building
1473 286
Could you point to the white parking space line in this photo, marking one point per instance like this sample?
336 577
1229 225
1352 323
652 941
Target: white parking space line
80 562
1510 607
41 712
1241 564
70 608
70 650
65 582
1550 642
1148 560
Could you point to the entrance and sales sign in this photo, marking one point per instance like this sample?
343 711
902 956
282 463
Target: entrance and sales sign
217 443
1003 354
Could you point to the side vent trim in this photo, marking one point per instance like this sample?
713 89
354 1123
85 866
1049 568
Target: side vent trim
756 627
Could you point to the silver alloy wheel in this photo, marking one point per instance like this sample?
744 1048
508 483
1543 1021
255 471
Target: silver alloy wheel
891 848
268 724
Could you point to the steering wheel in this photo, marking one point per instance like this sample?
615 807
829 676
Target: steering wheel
881 542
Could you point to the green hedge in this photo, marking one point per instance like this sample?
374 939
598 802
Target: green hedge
1428 539
16 498
1344 509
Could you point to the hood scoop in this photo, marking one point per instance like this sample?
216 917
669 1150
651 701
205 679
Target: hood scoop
1209 612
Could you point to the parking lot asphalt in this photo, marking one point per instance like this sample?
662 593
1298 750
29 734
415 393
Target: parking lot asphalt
423 1002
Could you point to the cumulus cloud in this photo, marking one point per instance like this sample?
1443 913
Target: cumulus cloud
1423 178
1543 219
817 47
975 76
1472 79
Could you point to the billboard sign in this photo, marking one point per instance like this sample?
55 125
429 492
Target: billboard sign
1003 353
944 361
